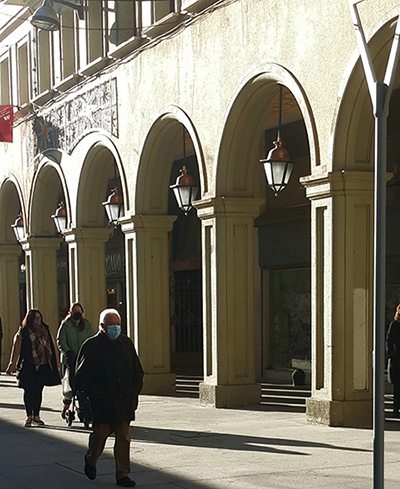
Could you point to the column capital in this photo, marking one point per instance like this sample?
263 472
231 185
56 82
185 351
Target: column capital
235 206
87 234
339 182
147 222
34 243
10 249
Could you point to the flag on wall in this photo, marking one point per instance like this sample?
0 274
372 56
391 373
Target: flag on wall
6 123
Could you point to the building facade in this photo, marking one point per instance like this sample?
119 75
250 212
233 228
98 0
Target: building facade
247 286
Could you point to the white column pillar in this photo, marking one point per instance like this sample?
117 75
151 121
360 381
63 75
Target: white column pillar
228 301
87 269
41 278
148 308
9 297
342 295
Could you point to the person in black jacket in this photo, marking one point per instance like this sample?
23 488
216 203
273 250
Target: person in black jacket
393 354
33 356
108 370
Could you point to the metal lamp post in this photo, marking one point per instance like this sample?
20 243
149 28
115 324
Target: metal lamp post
380 93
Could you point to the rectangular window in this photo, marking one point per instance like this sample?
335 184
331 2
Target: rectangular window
68 44
5 82
94 30
23 73
44 72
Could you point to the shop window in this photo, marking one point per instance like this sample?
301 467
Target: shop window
288 301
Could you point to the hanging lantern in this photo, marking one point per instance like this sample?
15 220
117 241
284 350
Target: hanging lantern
60 218
19 228
277 164
185 190
113 206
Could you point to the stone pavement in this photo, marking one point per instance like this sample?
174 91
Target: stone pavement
177 443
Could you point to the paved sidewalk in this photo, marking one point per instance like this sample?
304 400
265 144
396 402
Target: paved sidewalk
177 443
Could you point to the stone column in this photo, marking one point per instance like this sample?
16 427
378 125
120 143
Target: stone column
228 304
41 278
87 269
9 297
342 295
148 308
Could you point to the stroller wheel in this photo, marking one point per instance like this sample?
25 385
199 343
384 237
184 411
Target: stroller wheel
69 417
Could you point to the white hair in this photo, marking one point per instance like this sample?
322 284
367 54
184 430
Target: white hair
105 313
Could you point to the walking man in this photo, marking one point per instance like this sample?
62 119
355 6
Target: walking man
108 370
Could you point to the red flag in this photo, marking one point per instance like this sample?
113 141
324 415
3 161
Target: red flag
6 123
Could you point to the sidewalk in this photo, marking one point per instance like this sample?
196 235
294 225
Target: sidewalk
177 443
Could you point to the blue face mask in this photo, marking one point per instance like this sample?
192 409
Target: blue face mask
114 331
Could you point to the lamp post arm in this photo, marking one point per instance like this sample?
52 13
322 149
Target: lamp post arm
392 61
363 47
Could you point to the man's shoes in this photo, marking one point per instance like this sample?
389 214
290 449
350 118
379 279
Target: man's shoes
90 471
28 421
126 482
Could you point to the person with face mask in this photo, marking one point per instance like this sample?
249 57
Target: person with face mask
108 370
33 356
73 331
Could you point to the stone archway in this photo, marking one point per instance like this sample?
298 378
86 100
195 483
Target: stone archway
228 236
96 250
43 246
12 276
149 240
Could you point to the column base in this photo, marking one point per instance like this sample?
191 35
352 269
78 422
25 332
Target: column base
339 413
230 396
159 384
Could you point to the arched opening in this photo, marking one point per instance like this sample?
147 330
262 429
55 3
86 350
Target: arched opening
101 173
48 190
12 268
282 254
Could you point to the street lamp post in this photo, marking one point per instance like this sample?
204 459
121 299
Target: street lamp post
380 93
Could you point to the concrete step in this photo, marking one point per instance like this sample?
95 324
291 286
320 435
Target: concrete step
284 397
188 385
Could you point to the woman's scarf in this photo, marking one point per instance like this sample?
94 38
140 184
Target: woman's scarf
41 345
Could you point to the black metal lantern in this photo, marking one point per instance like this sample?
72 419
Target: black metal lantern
277 164
60 218
185 190
113 206
19 228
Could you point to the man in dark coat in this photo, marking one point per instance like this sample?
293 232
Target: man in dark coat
393 353
108 370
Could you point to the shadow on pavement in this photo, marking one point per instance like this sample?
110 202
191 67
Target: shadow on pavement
228 441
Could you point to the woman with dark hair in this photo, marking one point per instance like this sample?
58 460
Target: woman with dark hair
73 331
33 356
393 354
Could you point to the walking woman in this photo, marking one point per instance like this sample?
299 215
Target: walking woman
393 353
33 356
73 331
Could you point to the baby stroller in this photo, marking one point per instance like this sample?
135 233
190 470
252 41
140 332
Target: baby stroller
79 403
